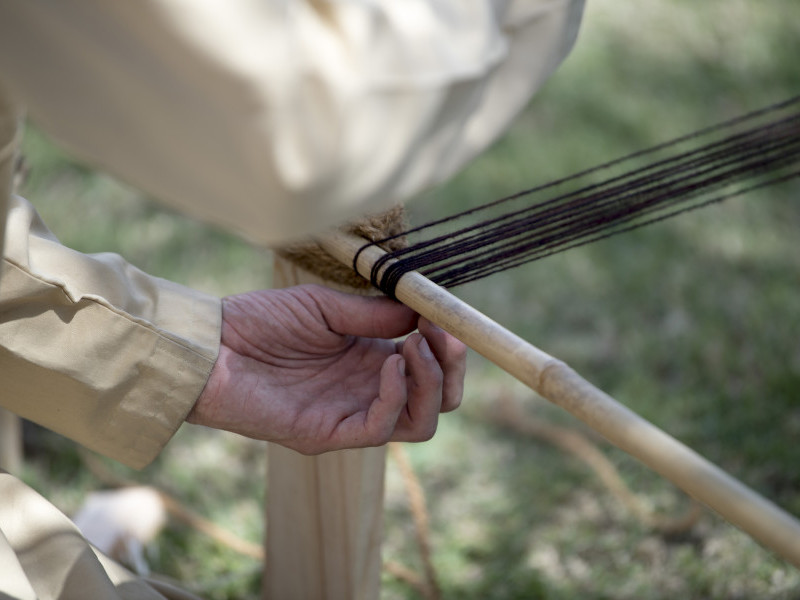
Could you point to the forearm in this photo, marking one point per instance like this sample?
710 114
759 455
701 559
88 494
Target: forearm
95 349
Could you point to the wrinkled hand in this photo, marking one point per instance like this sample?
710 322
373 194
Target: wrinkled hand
316 370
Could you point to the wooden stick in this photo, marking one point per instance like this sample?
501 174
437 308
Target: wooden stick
558 383
324 513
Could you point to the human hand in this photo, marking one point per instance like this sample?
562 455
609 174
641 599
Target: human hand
317 370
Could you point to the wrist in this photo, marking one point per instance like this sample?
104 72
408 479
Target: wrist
206 408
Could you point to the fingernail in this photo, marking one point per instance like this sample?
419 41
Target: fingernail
425 349
401 366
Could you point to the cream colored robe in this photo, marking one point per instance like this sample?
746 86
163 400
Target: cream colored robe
272 118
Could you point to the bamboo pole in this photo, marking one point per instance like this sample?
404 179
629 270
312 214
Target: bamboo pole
561 385
324 513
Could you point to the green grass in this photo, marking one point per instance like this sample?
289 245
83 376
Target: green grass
694 323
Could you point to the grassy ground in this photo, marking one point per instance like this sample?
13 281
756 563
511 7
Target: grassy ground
693 323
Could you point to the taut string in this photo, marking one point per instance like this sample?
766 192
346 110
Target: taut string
756 150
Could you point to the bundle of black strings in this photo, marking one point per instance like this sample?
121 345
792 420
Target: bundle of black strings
758 149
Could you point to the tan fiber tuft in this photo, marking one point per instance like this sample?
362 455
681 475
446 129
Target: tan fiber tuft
310 257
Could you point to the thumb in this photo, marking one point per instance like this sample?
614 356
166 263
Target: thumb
367 316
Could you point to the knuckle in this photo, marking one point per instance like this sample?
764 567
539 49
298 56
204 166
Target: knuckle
460 352
307 450
454 403
381 436
426 432
381 439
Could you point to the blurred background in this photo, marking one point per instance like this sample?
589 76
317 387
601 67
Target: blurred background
694 323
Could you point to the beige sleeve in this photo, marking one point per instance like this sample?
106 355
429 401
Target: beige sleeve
277 118
95 349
